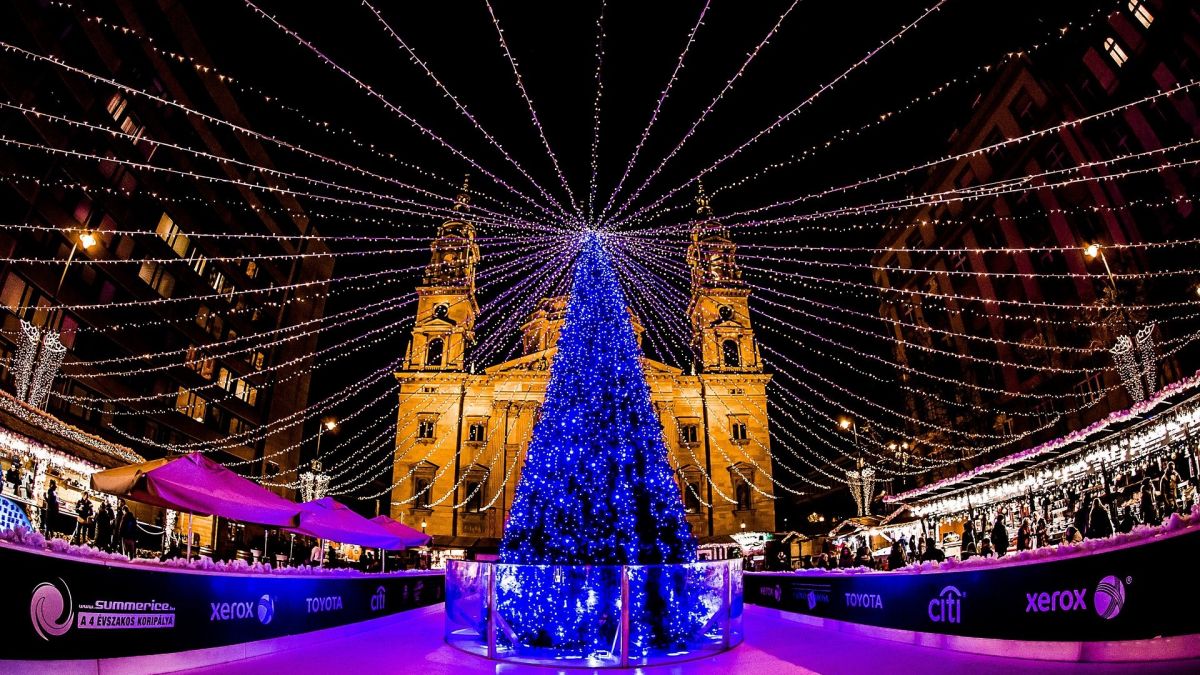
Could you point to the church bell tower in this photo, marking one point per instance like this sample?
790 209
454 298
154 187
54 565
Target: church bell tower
722 336
446 305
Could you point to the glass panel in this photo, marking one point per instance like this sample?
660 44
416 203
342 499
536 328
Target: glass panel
466 606
558 613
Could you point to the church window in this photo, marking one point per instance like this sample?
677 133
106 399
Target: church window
477 432
688 433
726 313
433 352
474 491
737 429
441 311
744 500
691 497
425 428
731 354
421 490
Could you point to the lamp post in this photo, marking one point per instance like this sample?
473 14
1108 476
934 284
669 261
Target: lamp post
87 240
315 483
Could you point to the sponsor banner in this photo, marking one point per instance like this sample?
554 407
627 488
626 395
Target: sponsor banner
1134 593
71 608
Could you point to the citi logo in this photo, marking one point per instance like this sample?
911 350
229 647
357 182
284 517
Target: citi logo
378 599
864 600
50 613
328 603
262 609
947 606
1070 600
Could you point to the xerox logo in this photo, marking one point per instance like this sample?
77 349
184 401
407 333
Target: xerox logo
947 606
1067 600
50 613
262 609
328 603
1110 596
864 600
771 592
378 599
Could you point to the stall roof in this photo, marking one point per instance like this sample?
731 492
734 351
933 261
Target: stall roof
408 536
42 427
327 518
1115 424
196 484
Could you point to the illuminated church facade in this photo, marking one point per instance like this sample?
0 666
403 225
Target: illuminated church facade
462 436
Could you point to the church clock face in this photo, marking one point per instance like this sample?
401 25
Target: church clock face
726 313
441 312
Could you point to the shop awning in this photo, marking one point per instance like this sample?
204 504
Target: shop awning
194 483
327 518
408 536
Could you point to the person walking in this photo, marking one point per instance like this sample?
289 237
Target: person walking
932 552
1000 536
83 520
1043 533
1099 522
104 526
128 533
1025 536
1127 522
969 546
50 513
897 558
1169 487
1149 504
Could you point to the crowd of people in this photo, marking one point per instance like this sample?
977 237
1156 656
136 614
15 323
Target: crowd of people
107 528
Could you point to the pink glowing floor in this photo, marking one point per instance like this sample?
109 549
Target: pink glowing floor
411 643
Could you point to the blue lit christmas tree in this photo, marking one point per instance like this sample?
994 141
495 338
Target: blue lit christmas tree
596 488
597 491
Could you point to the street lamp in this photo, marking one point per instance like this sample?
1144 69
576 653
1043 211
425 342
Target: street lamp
314 484
87 240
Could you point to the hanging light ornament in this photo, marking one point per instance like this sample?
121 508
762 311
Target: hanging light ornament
315 483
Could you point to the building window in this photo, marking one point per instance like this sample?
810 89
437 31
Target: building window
251 269
425 429
691 497
1115 51
422 486
1141 12
190 404
169 231
745 500
477 432
1023 108
474 490
159 278
433 352
1091 388
116 106
689 433
731 354
197 362
737 429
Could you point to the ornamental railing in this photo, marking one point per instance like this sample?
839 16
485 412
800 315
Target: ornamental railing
594 616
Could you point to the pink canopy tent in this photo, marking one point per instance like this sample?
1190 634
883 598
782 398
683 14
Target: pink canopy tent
408 536
327 518
196 484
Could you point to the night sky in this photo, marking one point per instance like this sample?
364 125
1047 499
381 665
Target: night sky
554 45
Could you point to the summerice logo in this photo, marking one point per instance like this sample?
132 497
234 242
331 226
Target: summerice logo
46 610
